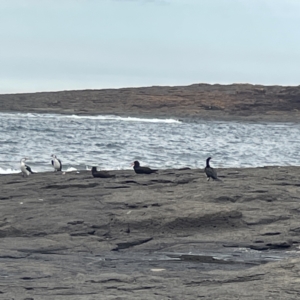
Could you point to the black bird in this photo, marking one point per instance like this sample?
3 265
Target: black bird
142 170
101 174
210 172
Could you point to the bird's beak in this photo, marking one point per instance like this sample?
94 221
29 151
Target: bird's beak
132 164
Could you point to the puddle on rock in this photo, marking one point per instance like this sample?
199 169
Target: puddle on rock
224 259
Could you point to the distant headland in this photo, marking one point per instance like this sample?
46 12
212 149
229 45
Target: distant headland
219 102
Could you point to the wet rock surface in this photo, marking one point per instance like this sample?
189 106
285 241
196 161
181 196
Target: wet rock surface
220 102
170 235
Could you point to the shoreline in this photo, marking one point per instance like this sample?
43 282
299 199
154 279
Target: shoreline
196 170
290 118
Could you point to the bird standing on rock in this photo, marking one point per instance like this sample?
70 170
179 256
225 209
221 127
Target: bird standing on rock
25 169
56 163
210 172
101 174
142 170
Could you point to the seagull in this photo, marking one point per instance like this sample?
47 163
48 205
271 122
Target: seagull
210 172
142 170
26 170
56 163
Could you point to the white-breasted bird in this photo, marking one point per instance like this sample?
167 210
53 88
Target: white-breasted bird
26 170
56 163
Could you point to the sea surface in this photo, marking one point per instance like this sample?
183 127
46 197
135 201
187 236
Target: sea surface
112 142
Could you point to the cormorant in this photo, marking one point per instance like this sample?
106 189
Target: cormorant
26 170
56 163
210 172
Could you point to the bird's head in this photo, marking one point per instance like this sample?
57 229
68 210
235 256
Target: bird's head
136 163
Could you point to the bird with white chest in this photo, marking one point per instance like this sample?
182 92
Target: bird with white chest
25 169
56 163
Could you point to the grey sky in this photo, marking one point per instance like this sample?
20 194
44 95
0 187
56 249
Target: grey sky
82 44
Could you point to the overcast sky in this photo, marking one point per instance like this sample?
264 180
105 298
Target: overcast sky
52 45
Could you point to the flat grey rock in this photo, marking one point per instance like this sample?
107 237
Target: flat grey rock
177 236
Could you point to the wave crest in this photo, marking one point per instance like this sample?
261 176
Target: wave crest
8 171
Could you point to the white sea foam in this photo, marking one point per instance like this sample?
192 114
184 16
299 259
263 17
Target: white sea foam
71 169
90 117
8 171
124 119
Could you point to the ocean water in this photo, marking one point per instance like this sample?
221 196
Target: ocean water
113 142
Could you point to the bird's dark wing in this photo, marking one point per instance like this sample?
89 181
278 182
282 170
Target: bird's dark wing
144 170
29 169
211 173
52 162
102 174
60 164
